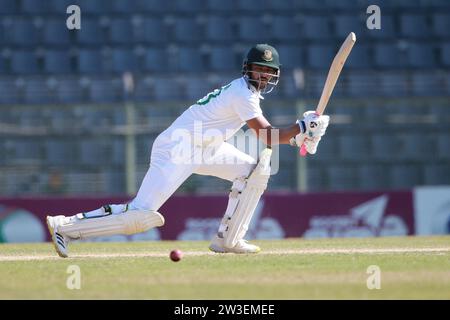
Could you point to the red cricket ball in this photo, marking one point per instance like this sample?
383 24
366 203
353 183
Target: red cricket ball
176 255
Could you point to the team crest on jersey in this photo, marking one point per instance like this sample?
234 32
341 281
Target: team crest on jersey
267 55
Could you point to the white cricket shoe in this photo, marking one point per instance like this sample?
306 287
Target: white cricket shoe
242 246
60 241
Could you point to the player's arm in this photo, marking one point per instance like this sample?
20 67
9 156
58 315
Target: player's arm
266 132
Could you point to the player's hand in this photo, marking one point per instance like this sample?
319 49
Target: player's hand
312 128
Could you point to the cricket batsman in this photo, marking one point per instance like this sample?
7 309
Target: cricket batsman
174 158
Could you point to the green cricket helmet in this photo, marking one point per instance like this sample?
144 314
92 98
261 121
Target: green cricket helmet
262 55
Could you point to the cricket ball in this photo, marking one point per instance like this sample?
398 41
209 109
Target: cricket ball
176 255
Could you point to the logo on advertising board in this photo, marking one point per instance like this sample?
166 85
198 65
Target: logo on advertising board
365 220
20 225
206 228
432 210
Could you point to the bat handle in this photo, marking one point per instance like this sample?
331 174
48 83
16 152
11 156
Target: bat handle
303 151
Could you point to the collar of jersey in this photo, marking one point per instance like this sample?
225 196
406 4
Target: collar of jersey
252 88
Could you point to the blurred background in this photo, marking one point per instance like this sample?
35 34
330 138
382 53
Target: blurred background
80 109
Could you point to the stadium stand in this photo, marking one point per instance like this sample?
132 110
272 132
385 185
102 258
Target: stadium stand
65 85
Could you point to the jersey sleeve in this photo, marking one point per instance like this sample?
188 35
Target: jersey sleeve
247 107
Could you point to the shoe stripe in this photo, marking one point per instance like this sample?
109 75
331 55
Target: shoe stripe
61 243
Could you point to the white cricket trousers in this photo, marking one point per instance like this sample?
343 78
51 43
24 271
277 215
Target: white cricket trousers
168 170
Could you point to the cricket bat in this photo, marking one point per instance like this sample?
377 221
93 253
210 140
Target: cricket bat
333 75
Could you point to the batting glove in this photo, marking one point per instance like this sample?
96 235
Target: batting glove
312 128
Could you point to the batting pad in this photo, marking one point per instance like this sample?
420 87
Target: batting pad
238 221
130 222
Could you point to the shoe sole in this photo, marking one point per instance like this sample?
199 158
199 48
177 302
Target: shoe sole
50 230
211 248
214 249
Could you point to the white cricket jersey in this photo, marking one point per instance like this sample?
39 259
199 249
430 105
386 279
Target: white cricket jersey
221 113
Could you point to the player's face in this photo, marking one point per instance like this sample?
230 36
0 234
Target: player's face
261 74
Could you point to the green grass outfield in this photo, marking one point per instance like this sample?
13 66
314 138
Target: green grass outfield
411 268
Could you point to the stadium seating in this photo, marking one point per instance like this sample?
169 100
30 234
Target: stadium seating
57 62
392 84
414 25
415 146
91 32
166 88
341 177
404 176
284 28
445 54
105 90
24 62
55 34
218 29
437 174
320 55
223 59
9 6
353 147
155 60
194 85
420 55
220 6
124 7
10 93
121 31
22 32
187 30
60 152
114 181
315 27
95 7
143 90
396 80
35 6
388 55
360 57
94 152
70 91
384 147
443 146
58 6
37 91
362 84
26 151
154 6
372 177
152 31
292 56
123 60
253 30
427 84
90 61
441 25
58 120
189 59
317 179
188 7
388 29
118 156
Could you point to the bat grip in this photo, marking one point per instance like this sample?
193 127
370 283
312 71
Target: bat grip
303 151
